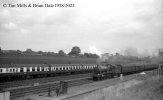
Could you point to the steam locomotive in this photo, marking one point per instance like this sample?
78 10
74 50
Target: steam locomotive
105 70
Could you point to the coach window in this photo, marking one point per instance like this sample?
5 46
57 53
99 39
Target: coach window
27 69
33 69
63 67
10 70
21 69
7 69
70 67
83 67
56 68
52 69
45 69
60 68
14 70
38 69
88 67
0 70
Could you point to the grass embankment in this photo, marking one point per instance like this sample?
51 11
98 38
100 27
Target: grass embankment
45 59
149 89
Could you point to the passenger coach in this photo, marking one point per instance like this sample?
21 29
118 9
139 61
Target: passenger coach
24 71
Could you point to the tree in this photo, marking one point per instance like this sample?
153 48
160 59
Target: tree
0 50
75 51
86 54
40 52
90 55
117 54
29 51
61 53
18 52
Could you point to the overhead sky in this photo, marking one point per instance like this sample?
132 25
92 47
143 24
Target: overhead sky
102 26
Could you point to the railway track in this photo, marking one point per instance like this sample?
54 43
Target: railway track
16 93
30 82
44 88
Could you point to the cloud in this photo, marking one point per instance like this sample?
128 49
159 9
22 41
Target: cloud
109 25
94 50
9 26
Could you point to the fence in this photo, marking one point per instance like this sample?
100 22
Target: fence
158 71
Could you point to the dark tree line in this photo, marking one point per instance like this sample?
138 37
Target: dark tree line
75 52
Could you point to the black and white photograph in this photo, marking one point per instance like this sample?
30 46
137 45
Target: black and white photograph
81 49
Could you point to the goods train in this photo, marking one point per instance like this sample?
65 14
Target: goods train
105 70
25 71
